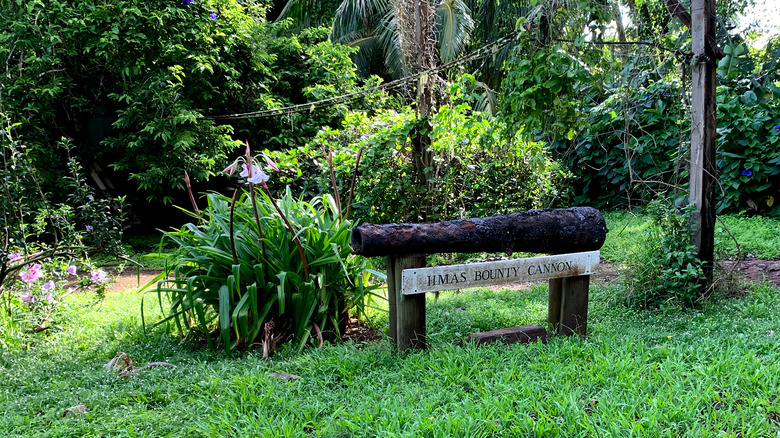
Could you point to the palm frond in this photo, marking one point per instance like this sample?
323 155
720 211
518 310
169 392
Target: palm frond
389 37
354 15
305 14
368 50
488 101
454 25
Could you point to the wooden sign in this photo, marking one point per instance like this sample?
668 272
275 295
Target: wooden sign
422 280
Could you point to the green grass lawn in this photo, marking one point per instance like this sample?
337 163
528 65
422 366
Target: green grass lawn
709 372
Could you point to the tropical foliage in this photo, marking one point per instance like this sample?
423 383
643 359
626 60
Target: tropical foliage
378 29
254 265
633 145
132 83
619 119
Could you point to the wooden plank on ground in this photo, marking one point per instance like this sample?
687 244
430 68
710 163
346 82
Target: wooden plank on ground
523 334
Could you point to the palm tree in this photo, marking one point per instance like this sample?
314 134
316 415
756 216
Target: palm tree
383 31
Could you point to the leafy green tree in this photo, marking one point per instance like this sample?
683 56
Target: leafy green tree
135 85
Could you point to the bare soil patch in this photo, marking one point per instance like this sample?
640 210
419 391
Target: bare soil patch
751 269
132 279
755 269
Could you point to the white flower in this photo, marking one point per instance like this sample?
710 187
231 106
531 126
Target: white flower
254 174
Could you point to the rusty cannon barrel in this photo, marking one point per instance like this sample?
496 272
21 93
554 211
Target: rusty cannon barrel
552 231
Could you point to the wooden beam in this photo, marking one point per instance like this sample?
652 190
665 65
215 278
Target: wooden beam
407 316
703 168
679 11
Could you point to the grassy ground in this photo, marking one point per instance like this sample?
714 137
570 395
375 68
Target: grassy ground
757 236
710 372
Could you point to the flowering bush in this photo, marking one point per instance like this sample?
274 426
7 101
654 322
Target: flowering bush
41 243
33 297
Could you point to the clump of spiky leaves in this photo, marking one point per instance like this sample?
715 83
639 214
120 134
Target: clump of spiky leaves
235 270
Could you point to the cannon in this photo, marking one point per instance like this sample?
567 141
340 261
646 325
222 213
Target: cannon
571 235
551 231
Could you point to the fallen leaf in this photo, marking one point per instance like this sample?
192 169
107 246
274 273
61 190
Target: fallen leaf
75 410
284 376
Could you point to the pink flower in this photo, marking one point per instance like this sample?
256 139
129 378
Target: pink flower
230 170
48 297
48 285
254 174
99 276
31 273
15 257
88 228
271 163
72 270
27 297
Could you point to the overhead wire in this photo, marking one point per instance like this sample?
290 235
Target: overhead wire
483 52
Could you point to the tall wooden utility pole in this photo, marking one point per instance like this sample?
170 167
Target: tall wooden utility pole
703 123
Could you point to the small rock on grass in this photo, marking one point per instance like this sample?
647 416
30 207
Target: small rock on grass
75 411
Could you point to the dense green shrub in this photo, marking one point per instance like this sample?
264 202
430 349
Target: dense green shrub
233 274
130 81
472 169
633 144
748 135
632 147
664 268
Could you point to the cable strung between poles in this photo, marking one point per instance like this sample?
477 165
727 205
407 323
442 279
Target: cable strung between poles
483 52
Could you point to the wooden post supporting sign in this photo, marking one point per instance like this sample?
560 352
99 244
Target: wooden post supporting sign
407 312
703 125
408 280
574 305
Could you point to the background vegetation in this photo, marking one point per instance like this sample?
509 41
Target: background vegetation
607 99
492 107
